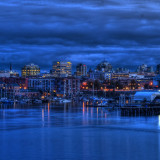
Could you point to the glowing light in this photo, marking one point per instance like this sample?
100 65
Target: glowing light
84 83
42 97
48 111
151 83
83 108
43 115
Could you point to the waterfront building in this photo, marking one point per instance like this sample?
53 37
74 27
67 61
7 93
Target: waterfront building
61 86
22 82
81 70
30 70
31 94
9 91
62 69
145 96
43 84
125 84
71 87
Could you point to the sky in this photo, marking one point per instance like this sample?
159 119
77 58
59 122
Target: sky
123 32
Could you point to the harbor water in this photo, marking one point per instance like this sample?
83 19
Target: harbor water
75 132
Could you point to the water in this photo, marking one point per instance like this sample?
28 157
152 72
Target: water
67 132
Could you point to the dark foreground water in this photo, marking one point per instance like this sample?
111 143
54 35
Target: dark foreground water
76 133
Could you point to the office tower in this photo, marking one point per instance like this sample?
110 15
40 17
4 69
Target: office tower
104 67
30 70
81 70
62 69
145 69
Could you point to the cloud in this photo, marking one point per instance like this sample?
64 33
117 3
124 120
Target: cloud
123 32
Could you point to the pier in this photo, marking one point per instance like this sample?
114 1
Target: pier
140 111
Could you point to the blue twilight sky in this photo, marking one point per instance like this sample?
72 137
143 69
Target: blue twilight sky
124 32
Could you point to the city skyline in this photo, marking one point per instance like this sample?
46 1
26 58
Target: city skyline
18 68
79 80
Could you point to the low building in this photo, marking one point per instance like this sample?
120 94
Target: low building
9 74
136 75
22 82
120 75
9 90
26 93
145 96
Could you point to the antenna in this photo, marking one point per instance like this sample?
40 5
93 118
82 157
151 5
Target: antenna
10 67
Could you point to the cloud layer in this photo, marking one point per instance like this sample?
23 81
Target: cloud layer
125 33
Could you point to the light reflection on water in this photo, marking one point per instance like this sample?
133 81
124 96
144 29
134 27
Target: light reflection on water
76 132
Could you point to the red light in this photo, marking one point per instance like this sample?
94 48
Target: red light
84 83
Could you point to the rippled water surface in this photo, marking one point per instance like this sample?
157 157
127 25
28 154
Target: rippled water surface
68 132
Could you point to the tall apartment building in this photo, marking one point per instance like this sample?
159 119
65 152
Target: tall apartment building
62 69
81 70
69 87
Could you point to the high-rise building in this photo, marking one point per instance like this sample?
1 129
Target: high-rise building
30 70
145 69
158 69
122 70
62 69
81 70
104 67
142 68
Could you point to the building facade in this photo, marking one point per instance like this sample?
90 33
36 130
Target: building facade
104 67
81 70
30 70
61 86
22 82
71 87
62 69
145 69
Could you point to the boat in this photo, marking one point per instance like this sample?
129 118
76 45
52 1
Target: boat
37 101
66 100
61 100
26 101
104 103
5 100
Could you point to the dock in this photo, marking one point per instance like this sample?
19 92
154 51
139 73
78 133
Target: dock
140 111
